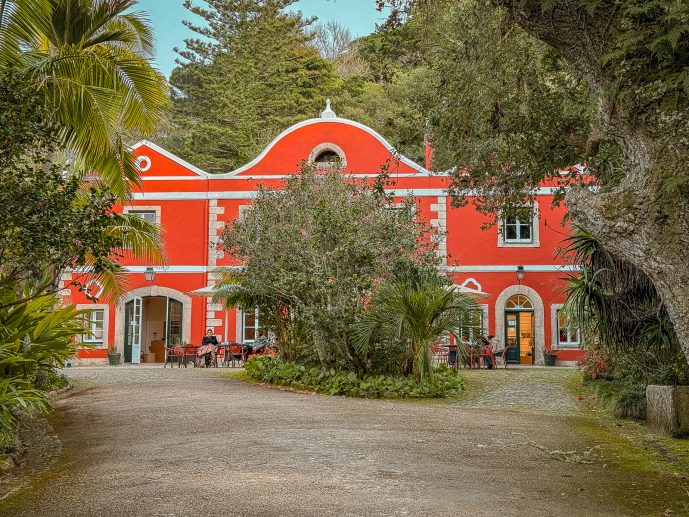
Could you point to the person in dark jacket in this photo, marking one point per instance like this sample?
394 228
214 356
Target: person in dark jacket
209 339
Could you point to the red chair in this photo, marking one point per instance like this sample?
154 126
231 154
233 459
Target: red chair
236 353
487 353
189 353
172 355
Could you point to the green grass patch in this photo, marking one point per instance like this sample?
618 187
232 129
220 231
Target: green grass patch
443 383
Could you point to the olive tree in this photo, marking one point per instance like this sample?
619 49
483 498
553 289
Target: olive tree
313 254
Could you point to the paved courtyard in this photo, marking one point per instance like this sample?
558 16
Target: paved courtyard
149 441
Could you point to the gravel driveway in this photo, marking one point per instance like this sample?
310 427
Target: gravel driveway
149 441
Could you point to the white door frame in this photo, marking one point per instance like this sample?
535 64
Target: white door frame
143 292
538 311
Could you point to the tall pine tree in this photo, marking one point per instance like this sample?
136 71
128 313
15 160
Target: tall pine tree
252 73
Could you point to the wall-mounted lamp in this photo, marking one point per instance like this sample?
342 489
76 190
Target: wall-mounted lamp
520 274
150 274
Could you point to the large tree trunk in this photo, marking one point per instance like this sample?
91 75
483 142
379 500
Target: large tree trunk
650 234
641 221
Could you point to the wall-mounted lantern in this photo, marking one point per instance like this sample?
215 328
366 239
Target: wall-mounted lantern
520 274
150 274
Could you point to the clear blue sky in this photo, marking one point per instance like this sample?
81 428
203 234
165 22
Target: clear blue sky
359 16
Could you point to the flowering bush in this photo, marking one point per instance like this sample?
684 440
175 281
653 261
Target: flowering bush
593 363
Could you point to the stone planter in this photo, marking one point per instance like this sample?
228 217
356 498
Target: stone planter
549 359
114 359
667 409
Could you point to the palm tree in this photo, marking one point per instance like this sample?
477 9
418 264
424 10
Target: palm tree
419 314
617 307
91 61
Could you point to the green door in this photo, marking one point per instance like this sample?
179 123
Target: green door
512 337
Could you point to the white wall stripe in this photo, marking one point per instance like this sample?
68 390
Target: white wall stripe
250 194
536 268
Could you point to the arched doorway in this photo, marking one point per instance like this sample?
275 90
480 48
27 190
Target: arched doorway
148 318
519 320
519 330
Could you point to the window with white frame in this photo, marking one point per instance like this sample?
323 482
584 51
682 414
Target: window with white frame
148 215
520 229
243 211
475 325
568 334
94 321
250 325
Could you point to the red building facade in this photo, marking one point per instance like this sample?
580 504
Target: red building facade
192 207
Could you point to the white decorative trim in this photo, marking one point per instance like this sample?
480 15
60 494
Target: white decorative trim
143 292
143 159
286 132
93 282
440 222
534 268
167 269
535 233
170 156
472 280
173 178
251 194
106 320
539 319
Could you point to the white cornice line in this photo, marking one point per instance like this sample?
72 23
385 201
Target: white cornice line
167 269
312 121
421 171
250 194
536 268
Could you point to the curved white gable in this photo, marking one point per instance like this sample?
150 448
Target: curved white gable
420 170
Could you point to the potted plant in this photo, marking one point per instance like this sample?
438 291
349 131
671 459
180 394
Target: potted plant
113 356
549 355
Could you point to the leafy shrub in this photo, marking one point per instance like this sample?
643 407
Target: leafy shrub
49 380
625 399
444 382
36 335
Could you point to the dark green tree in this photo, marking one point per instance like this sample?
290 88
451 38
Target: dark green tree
252 73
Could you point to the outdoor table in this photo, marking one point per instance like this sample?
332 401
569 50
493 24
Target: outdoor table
225 347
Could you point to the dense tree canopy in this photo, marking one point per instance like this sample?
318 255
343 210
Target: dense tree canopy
313 255
252 73
524 88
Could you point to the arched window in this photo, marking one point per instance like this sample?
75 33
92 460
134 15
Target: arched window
327 157
328 154
519 301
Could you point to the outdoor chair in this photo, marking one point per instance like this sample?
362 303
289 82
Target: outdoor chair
172 355
188 354
502 357
236 354
468 355
440 355
487 353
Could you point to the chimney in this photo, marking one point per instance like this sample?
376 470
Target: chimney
429 152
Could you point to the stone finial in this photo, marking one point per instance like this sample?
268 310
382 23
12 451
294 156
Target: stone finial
328 112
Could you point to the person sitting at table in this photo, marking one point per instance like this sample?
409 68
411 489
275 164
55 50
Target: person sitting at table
258 346
209 339
498 347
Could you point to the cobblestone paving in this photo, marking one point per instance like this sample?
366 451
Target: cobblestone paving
535 390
